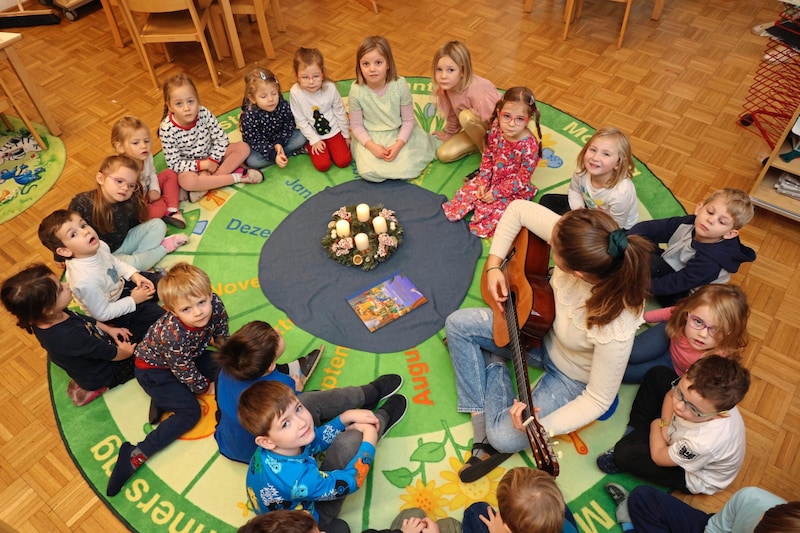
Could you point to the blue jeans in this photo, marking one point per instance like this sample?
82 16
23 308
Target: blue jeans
650 348
484 384
256 160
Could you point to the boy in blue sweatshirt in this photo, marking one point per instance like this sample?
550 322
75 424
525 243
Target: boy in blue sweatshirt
702 248
284 474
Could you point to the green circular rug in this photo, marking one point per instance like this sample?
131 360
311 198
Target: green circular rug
27 170
190 487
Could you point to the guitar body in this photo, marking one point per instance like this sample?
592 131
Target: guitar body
527 314
526 274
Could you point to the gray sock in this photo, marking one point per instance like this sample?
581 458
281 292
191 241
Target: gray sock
479 431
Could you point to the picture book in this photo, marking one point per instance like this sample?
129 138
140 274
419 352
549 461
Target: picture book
386 301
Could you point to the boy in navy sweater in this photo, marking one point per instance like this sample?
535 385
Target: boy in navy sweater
702 248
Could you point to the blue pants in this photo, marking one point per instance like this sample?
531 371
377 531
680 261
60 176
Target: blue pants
650 349
655 511
173 396
256 160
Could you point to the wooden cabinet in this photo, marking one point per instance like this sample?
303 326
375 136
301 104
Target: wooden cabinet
763 193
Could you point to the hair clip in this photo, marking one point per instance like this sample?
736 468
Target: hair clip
263 76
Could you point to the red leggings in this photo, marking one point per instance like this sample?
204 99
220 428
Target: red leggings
336 151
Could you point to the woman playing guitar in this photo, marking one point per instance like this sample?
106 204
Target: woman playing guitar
600 282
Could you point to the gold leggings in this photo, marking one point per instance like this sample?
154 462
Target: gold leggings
471 138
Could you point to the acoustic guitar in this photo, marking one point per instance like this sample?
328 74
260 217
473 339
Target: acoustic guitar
527 314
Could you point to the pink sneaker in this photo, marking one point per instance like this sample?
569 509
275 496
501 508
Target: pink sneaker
173 242
81 397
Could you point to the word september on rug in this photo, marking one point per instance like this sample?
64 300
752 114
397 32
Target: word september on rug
190 487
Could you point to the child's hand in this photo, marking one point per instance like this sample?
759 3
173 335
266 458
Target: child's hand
124 349
211 390
430 526
393 150
376 149
318 147
280 157
298 383
359 416
369 432
484 194
142 281
210 165
493 522
142 293
153 196
118 334
441 135
413 525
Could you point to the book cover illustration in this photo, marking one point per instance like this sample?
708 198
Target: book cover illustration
386 301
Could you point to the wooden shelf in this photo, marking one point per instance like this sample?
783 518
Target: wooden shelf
764 195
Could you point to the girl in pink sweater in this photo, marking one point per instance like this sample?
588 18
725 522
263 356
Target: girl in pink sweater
465 100
712 320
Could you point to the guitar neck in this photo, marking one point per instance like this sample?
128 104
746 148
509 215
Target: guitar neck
518 358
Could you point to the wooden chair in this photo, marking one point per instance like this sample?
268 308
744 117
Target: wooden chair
257 9
7 103
169 21
574 8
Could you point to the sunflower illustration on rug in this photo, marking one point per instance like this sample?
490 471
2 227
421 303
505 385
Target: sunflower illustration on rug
191 487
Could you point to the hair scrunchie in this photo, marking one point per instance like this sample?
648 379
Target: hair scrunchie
617 243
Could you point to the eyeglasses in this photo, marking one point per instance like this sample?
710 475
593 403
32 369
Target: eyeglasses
677 391
698 324
519 121
314 77
124 184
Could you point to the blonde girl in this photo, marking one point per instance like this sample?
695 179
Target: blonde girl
161 191
712 320
195 145
117 211
267 124
319 112
390 144
465 100
511 155
603 179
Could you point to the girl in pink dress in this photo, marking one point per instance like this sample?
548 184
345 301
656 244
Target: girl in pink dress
512 153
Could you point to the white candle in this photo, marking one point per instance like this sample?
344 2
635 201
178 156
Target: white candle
342 228
379 224
362 212
362 241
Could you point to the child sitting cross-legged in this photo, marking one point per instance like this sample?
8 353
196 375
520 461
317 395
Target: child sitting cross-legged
94 355
173 364
284 474
107 288
685 432
250 355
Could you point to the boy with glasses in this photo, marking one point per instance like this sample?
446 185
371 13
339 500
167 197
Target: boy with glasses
685 432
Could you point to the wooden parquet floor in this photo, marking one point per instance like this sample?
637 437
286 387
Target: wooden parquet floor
676 87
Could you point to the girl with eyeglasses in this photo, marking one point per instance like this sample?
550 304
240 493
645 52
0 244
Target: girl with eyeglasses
117 211
713 319
511 155
319 112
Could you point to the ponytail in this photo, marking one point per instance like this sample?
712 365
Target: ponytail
589 241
